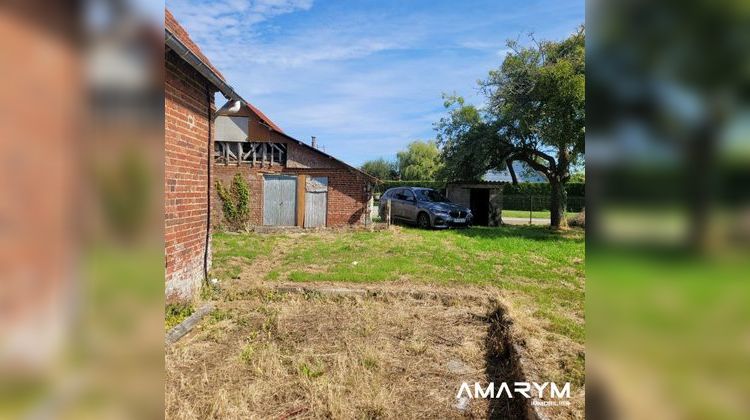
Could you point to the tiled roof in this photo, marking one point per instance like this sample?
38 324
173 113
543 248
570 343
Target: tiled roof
182 35
171 24
263 117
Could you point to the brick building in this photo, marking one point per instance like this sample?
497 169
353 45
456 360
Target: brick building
291 183
189 87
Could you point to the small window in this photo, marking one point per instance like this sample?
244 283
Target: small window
408 195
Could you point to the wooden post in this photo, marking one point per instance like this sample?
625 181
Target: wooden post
388 214
531 206
301 184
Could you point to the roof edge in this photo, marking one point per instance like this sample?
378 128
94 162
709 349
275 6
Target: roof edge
365 174
191 58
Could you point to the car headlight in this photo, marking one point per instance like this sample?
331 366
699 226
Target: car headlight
441 214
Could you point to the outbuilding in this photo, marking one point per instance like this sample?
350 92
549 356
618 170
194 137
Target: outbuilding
291 183
484 198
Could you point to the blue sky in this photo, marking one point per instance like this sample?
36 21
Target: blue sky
365 77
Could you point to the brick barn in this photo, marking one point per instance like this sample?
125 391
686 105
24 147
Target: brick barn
189 87
291 183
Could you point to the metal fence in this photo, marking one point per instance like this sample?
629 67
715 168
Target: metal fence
539 203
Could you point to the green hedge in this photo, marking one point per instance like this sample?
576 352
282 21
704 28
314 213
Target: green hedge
574 189
539 202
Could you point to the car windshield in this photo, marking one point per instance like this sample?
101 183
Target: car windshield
431 196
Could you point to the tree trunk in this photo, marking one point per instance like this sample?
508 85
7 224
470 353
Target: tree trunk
557 204
702 176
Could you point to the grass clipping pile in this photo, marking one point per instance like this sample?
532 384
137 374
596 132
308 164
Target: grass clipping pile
310 355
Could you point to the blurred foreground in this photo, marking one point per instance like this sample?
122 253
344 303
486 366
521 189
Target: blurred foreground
81 251
668 202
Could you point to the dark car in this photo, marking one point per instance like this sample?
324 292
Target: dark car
425 207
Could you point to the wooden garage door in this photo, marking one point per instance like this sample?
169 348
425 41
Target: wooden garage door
279 200
316 201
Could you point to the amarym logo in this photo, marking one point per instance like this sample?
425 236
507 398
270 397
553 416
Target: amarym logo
521 388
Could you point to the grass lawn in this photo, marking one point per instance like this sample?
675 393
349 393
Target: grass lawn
542 268
425 324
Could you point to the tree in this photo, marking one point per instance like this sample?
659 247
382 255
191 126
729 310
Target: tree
650 62
535 113
381 168
470 141
420 161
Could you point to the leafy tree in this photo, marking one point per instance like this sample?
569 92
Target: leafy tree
535 113
470 141
420 161
579 177
381 168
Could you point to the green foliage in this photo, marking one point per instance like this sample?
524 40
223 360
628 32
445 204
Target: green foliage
125 193
246 355
381 168
535 113
235 202
420 160
311 372
469 140
574 189
176 312
579 177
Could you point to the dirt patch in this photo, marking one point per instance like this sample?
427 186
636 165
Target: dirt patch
309 352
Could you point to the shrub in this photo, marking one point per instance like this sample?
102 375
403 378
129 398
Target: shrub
235 202
578 220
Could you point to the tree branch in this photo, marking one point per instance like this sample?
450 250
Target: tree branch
512 171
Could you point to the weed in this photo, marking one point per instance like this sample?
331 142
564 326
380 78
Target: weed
176 312
311 372
370 362
218 315
247 354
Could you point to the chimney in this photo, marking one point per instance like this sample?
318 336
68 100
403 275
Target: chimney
314 142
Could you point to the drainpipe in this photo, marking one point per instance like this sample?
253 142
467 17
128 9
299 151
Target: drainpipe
210 159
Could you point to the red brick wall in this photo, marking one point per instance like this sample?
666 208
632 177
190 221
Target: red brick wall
347 198
188 100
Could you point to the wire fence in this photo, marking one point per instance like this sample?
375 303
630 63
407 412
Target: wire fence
539 204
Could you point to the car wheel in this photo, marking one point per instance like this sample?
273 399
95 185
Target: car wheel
423 220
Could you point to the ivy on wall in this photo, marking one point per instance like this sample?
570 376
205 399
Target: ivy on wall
235 202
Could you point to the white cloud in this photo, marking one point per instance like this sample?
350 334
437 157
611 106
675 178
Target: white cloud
366 82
